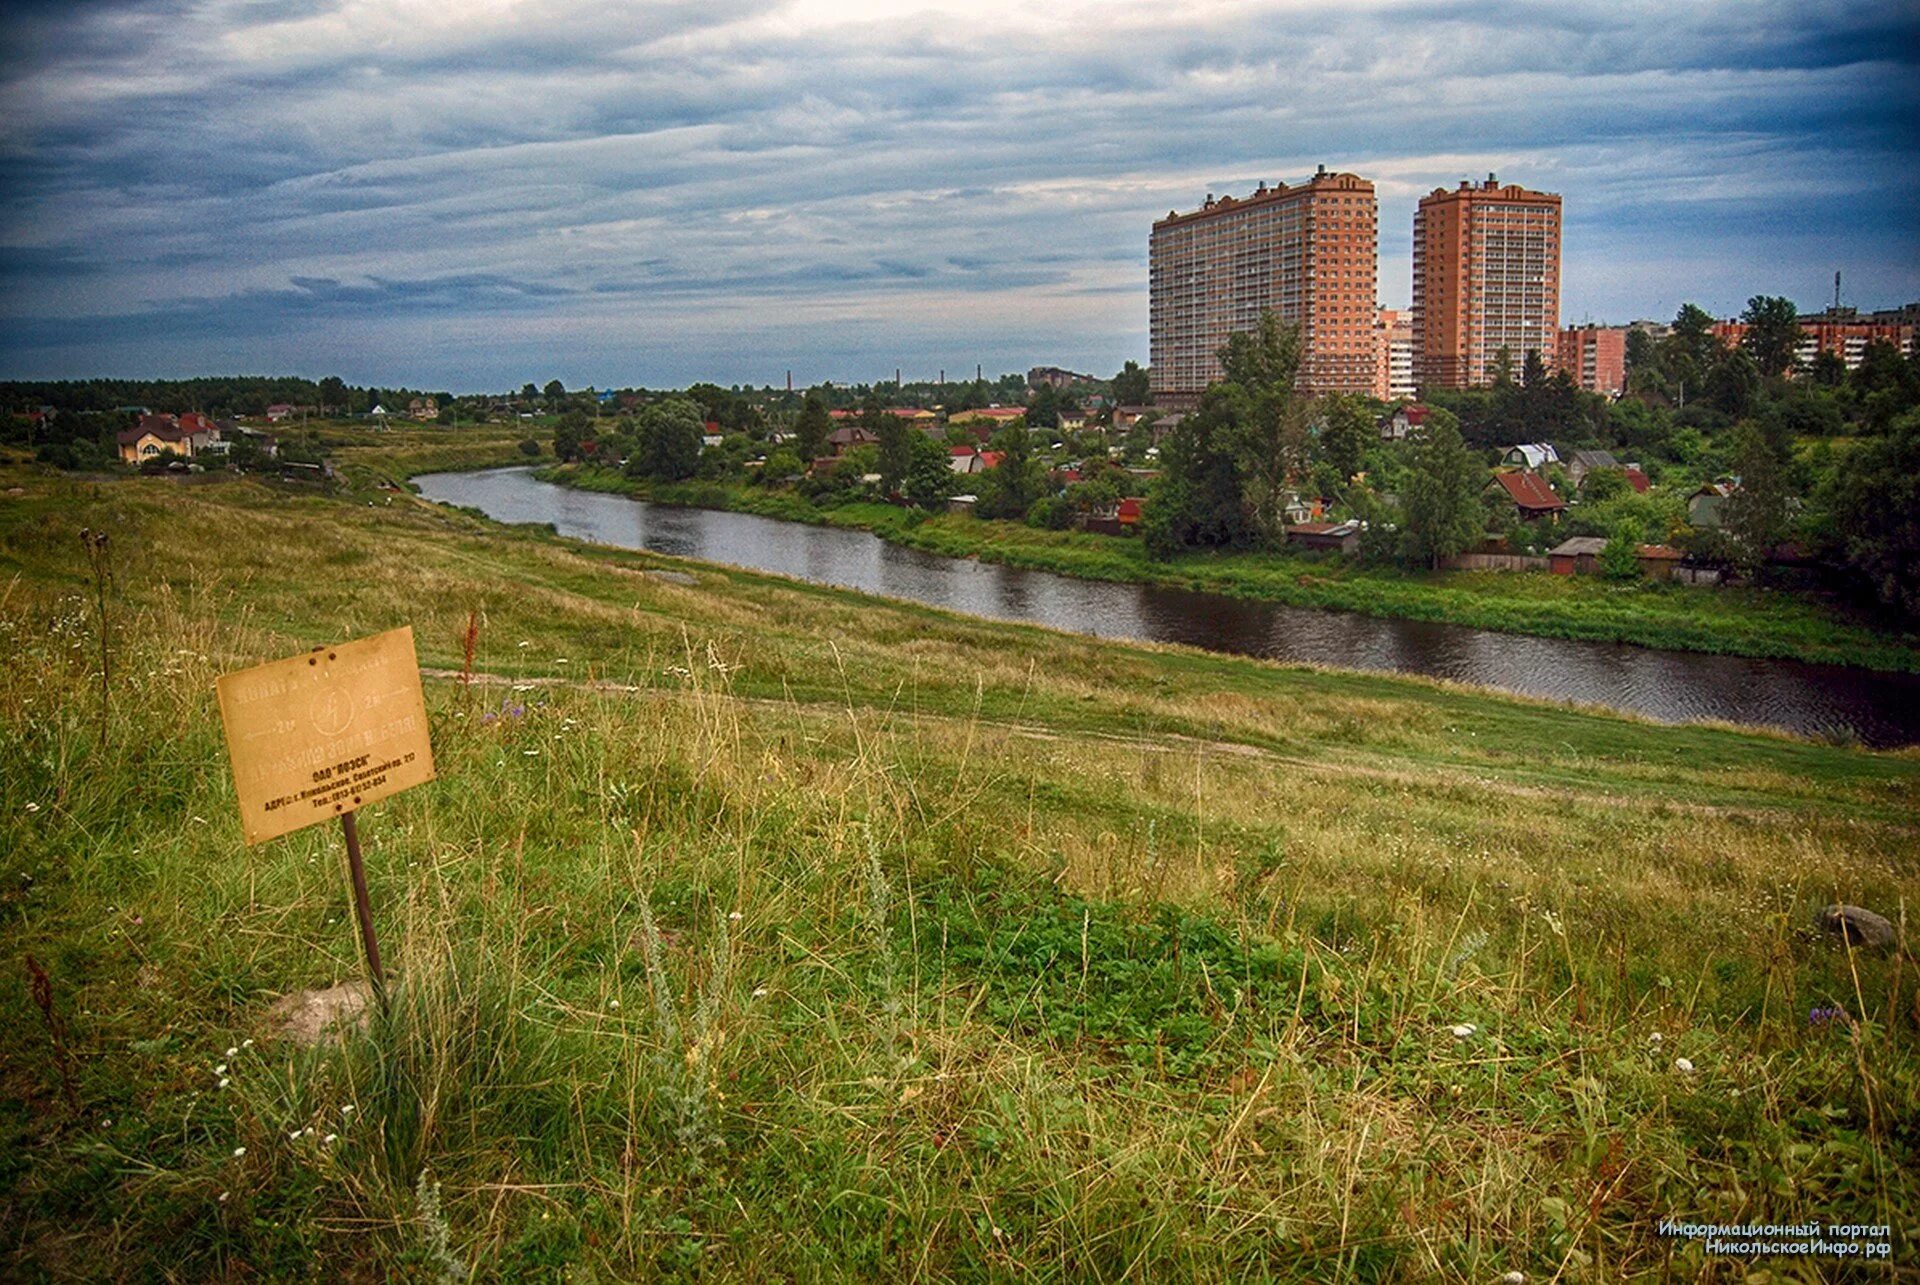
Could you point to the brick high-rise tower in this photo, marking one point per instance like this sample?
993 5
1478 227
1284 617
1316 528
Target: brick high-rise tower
1307 253
1486 276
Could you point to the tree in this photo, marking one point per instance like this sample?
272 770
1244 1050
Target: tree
1733 382
1197 498
1044 410
1873 508
555 390
528 392
1443 511
333 393
1773 332
668 445
1620 558
1533 370
1828 370
1346 430
1009 489
811 428
894 436
569 435
1755 515
1265 420
929 475
781 467
1131 386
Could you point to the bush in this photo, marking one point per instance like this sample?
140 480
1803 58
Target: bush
1620 559
529 447
1050 513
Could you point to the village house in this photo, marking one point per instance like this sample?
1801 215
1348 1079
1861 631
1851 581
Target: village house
153 436
1400 425
1658 561
1530 455
1581 463
1528 492
1704 506
424 409
1121 518
846 437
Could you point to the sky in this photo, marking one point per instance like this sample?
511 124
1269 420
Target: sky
471 194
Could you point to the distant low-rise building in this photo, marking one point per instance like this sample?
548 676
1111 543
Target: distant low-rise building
1401 424
1334 537
1581 463
1594 358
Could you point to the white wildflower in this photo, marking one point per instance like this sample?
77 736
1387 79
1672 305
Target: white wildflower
239 1151
347 1109
759 992
222 1068
613 1003
224 1081
1514 1278
1463 1030
733 916
234 1051
33 807
330 1139
1683 1065
1655 1038
224 1195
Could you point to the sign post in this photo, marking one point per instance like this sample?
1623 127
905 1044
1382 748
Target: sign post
323 735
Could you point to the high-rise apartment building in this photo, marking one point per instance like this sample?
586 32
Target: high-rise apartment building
1594 358
1393 350
1486 276
1308 253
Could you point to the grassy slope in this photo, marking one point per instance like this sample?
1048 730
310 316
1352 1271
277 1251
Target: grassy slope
1740 622
1053 957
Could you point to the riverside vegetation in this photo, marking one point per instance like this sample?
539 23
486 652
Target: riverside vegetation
1727 621
755 928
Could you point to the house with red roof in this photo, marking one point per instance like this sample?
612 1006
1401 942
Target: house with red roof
1529 493
155 435
1400 425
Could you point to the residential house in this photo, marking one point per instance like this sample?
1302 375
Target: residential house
153 436
1122 518
424 409
1531 455
1637 478
278 411
1402 423
847 436
1704 506
1125 417
1581 463
1529 493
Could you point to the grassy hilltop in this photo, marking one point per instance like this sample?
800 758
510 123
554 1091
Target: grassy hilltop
757 929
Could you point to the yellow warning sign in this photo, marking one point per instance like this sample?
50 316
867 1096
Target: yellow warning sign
317 735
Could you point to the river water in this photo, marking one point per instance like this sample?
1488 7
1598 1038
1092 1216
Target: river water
1879 709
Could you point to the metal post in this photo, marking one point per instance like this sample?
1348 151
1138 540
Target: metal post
363 909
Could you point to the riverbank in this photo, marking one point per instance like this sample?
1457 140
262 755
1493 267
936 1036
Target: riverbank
1733 622
762 929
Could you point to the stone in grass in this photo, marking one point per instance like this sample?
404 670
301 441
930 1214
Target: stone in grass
309 1016
674 577
1858 926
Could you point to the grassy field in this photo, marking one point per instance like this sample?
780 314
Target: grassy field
1737 621
755 929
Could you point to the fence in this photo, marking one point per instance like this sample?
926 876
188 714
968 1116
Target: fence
1493 562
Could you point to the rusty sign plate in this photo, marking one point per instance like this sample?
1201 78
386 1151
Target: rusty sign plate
317 735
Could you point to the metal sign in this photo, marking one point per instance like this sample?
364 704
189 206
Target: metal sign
314 737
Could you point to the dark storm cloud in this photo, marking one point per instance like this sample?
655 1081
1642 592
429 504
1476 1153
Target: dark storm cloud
478 183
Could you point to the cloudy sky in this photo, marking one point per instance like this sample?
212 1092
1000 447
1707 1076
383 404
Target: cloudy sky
475 193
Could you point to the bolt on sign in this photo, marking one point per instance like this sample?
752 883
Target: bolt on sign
318 736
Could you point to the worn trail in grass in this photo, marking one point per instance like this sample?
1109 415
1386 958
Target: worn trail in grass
756 928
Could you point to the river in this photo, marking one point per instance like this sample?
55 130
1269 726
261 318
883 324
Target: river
1880 709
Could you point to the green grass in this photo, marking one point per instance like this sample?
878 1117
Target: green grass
1053 957
1730 621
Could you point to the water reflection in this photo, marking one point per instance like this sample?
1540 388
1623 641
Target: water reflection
1879 709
